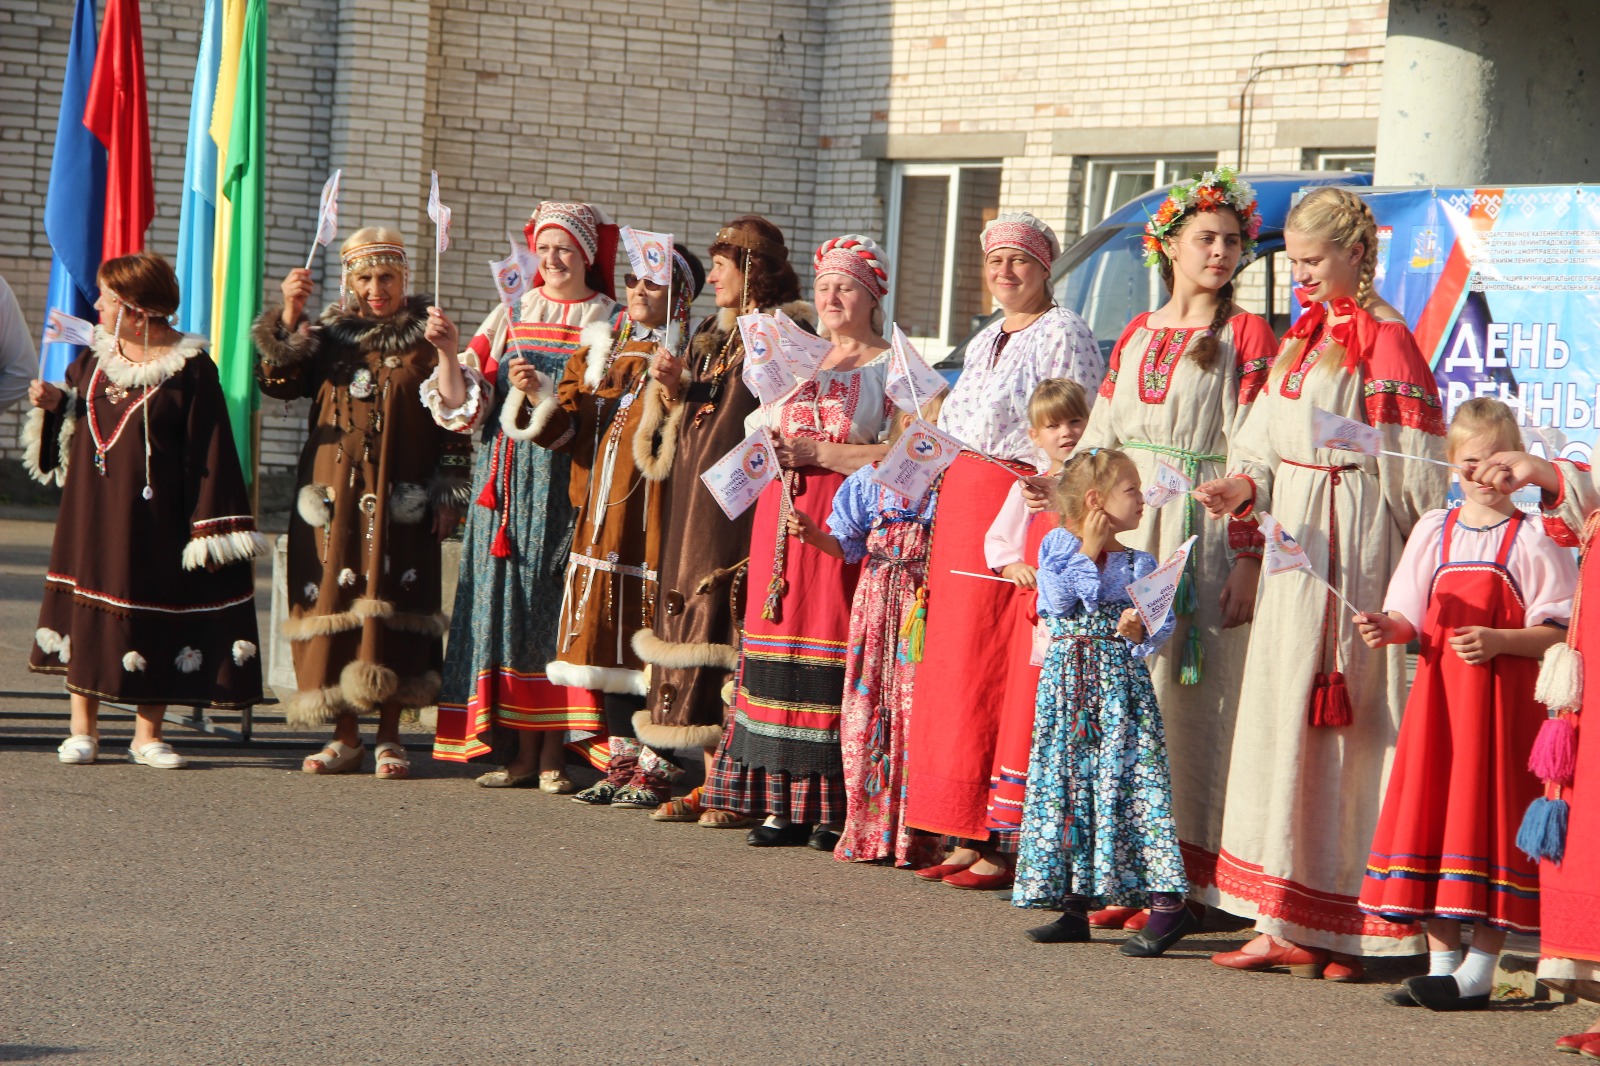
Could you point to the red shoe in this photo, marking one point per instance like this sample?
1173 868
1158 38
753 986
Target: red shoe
1347 970
1302 962
1112 917
969 880
1137 922
1574 1043
940 872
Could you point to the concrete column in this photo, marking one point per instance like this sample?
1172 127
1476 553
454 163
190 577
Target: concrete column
1487 92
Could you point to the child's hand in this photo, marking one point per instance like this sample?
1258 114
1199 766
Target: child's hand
1376 629
1097 534
1036 492
1476 644
1130 625
1506 472
1022 574
803 527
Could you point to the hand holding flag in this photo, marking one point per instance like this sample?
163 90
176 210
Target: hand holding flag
62 328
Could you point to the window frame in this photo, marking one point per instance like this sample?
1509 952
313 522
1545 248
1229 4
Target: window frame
1168 169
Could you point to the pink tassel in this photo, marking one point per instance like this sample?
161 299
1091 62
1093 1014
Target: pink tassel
1555 751
1336 711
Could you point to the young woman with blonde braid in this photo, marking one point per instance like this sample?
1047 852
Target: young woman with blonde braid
1319 713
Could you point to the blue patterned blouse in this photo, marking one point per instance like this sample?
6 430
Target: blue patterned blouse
1070 584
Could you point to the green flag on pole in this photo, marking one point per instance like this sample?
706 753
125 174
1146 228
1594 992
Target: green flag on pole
243 186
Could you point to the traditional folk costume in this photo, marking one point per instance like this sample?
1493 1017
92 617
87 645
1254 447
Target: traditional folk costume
888 535
146 600
1014 537
956 709
364 561
781 754
1098 819
1165 408
1445 846
1316 726
519 532
1569 762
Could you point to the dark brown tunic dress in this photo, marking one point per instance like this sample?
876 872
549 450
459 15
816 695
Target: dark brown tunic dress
693 647
149 599
364 598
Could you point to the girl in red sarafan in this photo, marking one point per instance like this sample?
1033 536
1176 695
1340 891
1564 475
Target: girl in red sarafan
1487 594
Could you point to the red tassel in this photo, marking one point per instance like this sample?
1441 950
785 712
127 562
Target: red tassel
1319 698
1336 710
486 497
501 548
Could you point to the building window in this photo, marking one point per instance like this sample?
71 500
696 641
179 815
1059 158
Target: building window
937 212
1356 159
1110 183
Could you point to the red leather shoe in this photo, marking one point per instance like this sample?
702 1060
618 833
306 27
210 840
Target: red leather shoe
940 872
1137 922
1112 917
1573 1042
969 880
1591 1049
1302 962
1348 970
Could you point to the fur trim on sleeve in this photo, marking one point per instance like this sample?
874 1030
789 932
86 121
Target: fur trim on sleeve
598 339
544 406
597 678
674 737
655 441
449 489
33 441
278 346
220 549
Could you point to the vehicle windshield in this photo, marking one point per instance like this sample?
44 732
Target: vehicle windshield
1113 285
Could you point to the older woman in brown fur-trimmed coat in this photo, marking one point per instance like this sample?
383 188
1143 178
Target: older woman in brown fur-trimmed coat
380 485
694 414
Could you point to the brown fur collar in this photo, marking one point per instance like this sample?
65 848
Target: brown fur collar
395 335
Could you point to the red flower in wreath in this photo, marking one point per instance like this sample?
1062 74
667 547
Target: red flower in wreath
1209 198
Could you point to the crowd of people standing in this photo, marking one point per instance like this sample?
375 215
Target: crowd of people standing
958 684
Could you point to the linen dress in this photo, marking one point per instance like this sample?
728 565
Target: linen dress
1302 800
1098 817
1160 406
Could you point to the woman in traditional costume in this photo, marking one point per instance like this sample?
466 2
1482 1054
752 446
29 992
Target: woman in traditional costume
1318 712
379 487
1195 366
694 413
781 759
593 415
514 558
148 600
955 707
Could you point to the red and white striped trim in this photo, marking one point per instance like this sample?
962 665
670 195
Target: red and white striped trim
133 605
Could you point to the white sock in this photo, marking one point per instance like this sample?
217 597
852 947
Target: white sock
774 822
1443 963
1475 975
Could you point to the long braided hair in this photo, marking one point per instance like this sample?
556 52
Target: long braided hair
1333 213
1205 350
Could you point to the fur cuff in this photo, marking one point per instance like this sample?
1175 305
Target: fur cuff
33 441
312 626
674 656
220 549
367 686
511 410
473 411
415 693
449 489
408 503
597 338
597 678
278 346
655 441
675 737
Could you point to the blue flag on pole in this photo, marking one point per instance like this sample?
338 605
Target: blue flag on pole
197 227
74 206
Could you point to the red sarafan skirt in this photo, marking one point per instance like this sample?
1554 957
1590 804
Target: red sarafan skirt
1008 778
961 679
1445 846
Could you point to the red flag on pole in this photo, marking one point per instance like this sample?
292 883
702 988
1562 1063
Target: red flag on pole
118 114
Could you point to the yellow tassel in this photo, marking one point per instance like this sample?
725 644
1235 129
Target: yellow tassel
914 630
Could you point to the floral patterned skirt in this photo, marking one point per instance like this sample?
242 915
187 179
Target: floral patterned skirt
1097 820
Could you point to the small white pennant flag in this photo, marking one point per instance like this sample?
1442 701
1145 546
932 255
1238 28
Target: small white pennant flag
62 328
735 481
922 453
1283 553
513 275
328 211
802 351
912 382
649 253
1154 593
765 371
440 214
1344 434
1170 484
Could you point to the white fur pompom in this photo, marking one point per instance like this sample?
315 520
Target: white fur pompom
49 640
310 592
1560 685
243 652
347 577
188 660
64 653
134 663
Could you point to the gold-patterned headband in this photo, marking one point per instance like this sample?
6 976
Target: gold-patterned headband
373 254
750 241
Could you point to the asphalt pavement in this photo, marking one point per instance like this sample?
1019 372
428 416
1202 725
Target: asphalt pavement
241 912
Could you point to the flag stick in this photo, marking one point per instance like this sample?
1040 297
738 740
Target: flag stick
438 258
1418 458
312 254
1312 573
986 577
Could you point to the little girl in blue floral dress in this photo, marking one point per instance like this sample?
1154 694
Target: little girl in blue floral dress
1097 823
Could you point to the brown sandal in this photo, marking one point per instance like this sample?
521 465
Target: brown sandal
680 809
729 820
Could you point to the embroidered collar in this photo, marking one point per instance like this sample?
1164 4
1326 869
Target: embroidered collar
127 374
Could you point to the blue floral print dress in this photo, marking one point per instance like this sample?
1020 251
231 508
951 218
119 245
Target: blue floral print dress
1097 820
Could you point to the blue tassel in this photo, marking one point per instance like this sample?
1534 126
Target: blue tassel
1543 834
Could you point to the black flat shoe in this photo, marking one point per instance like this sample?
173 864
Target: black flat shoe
1443 994
823 839
766 836
1067 929
1399 996
1141 946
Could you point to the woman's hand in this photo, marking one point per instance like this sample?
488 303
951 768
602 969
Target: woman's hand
296 288
43 394
1507 472
1131 626
795 452
1097 534
668 370
444 335
1224 496
1036 492
445 521
525 376
1477 644
1238 600
1021 574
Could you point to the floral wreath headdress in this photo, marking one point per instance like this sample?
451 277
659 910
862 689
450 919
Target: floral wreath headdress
1215 188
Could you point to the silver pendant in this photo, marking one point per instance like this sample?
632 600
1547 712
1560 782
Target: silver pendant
148 493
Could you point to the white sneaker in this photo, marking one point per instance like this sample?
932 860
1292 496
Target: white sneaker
159 754
78 749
